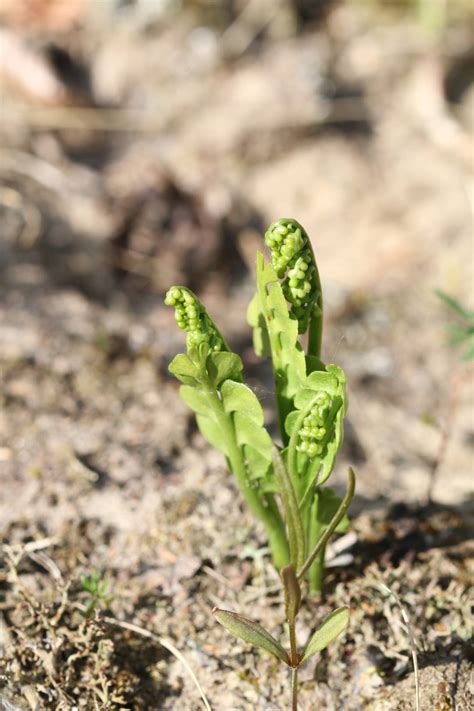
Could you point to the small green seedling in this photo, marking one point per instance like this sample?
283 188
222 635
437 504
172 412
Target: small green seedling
461 333
98 590
287 310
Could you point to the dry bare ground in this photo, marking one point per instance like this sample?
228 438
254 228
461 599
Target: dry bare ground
159 147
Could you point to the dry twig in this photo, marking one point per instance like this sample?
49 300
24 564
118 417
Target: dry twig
411 636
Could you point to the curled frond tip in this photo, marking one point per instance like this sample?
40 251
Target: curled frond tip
293 260
192 317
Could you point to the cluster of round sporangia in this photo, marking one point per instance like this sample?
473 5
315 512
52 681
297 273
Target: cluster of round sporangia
192 317
293 261
313 433
285 240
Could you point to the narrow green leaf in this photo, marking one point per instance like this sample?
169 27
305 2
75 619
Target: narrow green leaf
250 631
294 523
454 305
328 504
458 334
463 332
332 626
337 518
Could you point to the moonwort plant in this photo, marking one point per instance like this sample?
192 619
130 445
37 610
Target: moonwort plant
286 309
283 486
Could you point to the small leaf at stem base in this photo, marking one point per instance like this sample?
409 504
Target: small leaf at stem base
250 631
332 626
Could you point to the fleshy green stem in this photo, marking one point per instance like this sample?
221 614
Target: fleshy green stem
315 331
293 649
275 530
316 574
342 510
294 522
294 666
294 688
292 593
316 571
266 510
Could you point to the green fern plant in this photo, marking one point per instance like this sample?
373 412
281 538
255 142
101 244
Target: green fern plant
286 310
284 486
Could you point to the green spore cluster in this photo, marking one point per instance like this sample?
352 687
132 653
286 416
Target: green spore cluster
293 261
315 427
192 317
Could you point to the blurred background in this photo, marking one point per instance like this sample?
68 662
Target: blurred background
150 142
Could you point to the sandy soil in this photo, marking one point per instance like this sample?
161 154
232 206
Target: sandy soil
345 127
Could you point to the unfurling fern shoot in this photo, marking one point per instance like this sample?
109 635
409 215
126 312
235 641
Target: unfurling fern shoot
295 507
282 485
